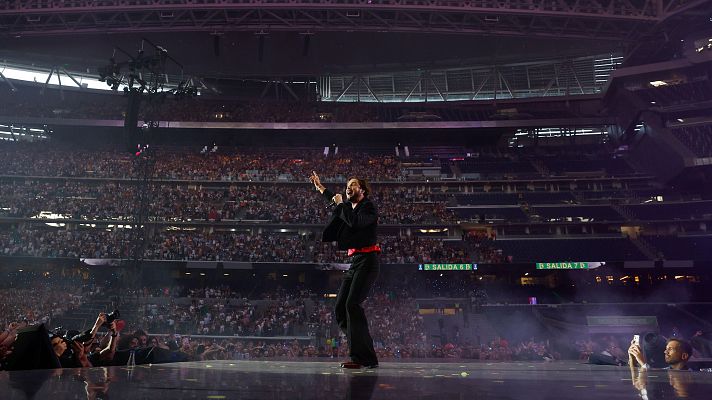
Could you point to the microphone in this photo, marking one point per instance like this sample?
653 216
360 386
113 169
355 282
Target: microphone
333 203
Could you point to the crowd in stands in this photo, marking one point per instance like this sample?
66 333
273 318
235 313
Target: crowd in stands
261 164
71 199
236 349
396 325
614 345
110 198
36 297
415 249
26 103
35 305
191 164
178 347
212 322
485 249
500 349
283 318
110 106
266 111
66 243
227 246
273 203
225 312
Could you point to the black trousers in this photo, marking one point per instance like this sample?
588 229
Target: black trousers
358 281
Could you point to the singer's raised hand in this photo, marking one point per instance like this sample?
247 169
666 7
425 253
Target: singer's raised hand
314 178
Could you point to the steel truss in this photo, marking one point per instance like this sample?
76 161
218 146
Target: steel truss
580 76
591 19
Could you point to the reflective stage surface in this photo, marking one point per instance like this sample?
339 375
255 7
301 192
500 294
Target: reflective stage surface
325 380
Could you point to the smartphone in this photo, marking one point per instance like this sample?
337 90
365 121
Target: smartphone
636 339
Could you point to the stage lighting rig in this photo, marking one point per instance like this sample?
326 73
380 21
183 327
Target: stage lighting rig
146 72
146 84
111 74
186 88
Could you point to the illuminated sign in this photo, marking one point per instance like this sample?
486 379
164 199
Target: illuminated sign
447 267
563 265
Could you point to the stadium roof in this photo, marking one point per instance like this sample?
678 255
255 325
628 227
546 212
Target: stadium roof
230 38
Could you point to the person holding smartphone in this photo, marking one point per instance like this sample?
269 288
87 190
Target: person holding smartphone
677 353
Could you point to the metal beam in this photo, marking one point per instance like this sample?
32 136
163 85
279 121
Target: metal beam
506 84
413 89
351 82
365 83
592 19
613 8
9 83
518 80
482 85
59 81
265 89
49 76
437 89
289 90
71 77
578 81
554 79
675 7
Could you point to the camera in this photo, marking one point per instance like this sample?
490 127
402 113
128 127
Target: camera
82 336
70 336
112 316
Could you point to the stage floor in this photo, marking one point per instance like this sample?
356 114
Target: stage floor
325 380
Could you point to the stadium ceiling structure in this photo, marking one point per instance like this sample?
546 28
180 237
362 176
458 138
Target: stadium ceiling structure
359 50
614 20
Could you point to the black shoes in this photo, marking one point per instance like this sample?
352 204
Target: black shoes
355 365
350 365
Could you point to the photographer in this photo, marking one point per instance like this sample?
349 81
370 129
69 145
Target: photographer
70 347
679 385
677 353
105 355
70 353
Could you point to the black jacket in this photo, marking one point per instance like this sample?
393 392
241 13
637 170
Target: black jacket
352 228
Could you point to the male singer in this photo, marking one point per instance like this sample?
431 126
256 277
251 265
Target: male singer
353 225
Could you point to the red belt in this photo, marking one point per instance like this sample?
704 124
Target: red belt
369 249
